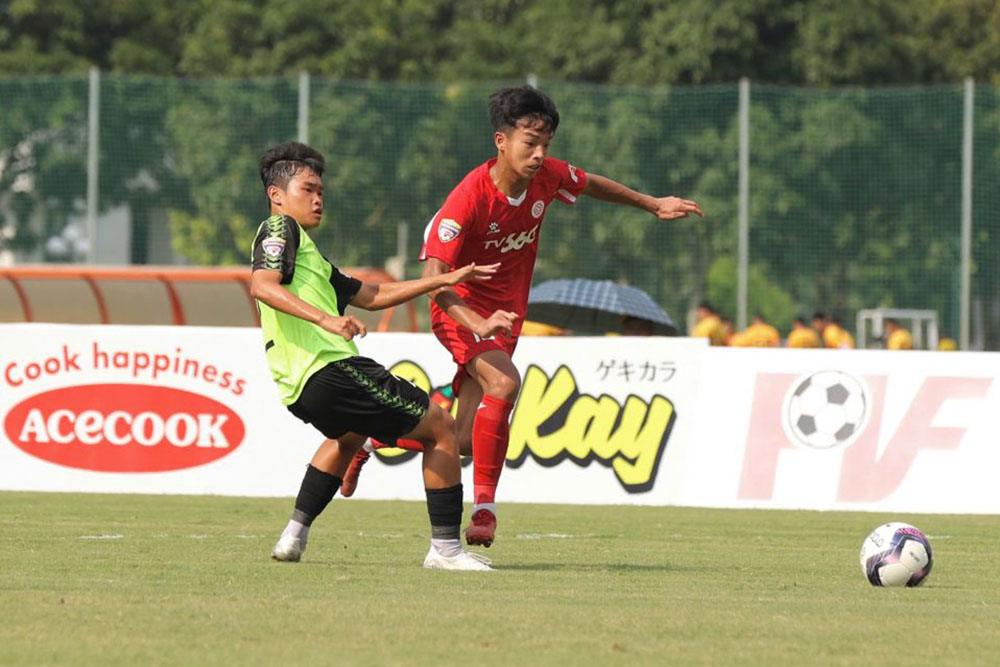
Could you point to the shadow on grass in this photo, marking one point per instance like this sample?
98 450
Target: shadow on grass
598 567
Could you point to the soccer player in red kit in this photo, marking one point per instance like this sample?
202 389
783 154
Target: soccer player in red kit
495 215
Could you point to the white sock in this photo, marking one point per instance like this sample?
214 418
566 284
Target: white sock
492 507
296 529
447 548
368 447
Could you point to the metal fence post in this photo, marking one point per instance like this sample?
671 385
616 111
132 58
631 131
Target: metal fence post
966 261
93 161
304 107
743 242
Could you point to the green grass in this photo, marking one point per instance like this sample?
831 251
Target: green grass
189 582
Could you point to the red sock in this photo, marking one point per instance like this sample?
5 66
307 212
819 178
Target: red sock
402 443
490 435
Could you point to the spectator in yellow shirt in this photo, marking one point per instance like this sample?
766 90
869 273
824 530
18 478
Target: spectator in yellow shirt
897 338
836 336
759 334
709 325
802 336
727 328
532 328
947 344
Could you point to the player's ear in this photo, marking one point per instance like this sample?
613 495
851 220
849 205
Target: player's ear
275 194
500 140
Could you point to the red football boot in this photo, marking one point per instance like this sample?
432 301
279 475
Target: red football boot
482 528
350 483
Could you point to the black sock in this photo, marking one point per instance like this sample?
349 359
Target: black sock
445 509
316 492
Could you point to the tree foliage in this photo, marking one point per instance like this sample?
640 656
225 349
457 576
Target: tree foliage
844 181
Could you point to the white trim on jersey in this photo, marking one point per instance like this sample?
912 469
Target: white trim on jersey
519 200
427 233
570 198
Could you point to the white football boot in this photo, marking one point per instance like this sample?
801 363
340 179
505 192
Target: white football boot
288 549
465 560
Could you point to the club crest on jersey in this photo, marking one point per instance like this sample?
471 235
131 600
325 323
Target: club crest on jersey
494 228
572 173
273 246
537 209
448 230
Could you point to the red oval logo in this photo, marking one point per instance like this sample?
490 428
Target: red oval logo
124 428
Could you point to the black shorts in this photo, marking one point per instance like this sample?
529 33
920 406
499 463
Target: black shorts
359 395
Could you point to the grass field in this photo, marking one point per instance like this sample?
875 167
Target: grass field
102 579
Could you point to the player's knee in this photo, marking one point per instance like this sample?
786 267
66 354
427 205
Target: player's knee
504 386
441 428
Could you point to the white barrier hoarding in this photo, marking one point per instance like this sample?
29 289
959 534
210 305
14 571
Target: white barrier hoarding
833 429
193 410
599 420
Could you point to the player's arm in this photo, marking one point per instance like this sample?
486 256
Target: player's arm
265 286
455 307
664 208
376 296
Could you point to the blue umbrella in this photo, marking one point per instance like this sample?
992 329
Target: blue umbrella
594 306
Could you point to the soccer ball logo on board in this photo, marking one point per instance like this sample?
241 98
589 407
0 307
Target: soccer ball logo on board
826 409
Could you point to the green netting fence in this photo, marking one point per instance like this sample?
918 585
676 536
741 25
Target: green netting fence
855 195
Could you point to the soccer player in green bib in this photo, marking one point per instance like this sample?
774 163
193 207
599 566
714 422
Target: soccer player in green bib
309 343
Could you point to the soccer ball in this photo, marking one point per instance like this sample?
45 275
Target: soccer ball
896 554
826 409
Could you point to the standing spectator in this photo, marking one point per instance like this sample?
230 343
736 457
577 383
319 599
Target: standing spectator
947 344
709 325
896 337
835 336
759 334
801 335
727 327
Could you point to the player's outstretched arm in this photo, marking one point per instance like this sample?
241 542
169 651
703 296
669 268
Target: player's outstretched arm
455 307
664 208
376 296
265 286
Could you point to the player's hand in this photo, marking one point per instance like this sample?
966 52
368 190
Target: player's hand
347 326
471 272
500 320
672 208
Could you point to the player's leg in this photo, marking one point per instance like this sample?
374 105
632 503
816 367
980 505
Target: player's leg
471 395
319 484
497 382
443 486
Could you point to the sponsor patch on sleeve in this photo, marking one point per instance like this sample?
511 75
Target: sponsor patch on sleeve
273 246
448 230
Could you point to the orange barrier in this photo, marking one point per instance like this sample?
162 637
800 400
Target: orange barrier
155 295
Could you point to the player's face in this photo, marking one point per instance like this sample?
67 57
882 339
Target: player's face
524 147
302 198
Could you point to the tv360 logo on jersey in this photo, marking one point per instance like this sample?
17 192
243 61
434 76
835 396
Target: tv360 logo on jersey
513 241
553 422
124 428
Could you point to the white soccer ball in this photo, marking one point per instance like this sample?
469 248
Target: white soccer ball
827 409
896 554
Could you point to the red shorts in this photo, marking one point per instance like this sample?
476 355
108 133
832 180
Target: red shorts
466 346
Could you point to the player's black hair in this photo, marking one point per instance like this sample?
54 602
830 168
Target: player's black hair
706 305
800 320
282 162
819 315
893 321
508 106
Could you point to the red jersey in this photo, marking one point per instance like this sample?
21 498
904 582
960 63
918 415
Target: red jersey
480 224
